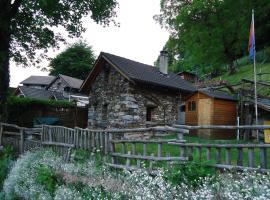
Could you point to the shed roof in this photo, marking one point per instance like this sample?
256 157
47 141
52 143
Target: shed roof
144 74
39 93
38 80
219 95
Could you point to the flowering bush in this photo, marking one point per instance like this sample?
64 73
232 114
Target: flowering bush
83 180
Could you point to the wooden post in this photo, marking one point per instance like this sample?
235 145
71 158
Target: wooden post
139 162
228 156
144 149
251 157
106 144
151 161
208 154
50 134
112 147
263 158
21 141
240 156
128 159
218 155
133 148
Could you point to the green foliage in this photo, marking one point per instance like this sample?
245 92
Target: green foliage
80 156
190 174
75 61
5 161
29 28
35 24
14 101
46 177
208 36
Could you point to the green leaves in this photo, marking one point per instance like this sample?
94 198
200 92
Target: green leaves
75 61
211 34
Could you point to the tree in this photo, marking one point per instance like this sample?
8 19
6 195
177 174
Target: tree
30 25
75 61
211 33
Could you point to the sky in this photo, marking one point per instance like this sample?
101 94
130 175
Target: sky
138 38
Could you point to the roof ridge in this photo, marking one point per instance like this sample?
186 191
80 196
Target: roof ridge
70 77
104 53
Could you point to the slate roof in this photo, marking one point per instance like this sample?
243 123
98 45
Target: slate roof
219 95
147 74
40 93
72 82
38 80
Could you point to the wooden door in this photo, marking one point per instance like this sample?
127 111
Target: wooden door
205 112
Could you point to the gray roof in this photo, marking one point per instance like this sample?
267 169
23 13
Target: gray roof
219 95
38 80
72 82
147 74
36 93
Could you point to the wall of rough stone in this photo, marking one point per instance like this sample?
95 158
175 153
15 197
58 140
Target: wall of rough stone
127 103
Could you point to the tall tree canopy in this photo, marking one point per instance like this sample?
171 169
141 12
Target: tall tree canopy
75 61
30 25
211 33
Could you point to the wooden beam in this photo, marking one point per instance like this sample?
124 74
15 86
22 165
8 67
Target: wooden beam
245 127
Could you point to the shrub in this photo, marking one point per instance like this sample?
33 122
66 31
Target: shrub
46 176
191 174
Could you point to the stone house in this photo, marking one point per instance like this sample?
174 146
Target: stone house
126 93
59 87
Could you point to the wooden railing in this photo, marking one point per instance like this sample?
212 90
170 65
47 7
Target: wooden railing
132 153
20 138
127 150
222 157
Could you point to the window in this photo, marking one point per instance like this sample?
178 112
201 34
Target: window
149 113
192 106
105 112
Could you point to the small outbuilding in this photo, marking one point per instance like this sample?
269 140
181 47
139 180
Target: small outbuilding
211 108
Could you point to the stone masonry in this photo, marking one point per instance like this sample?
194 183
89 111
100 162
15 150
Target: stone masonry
115 102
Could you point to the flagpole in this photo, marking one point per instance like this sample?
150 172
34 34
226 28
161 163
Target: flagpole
255 76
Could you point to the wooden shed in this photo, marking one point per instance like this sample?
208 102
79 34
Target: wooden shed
211 108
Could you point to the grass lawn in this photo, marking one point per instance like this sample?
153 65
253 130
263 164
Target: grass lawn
246 72
174 150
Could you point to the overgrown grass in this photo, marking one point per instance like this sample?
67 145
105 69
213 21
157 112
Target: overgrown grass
246 72
174 150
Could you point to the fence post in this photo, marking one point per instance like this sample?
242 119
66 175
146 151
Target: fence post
50 133
106 143
21 141
263 158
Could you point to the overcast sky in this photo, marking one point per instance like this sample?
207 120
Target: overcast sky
138 38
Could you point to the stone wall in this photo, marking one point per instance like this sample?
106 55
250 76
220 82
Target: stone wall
125 104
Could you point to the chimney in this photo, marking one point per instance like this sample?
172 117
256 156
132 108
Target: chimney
163 62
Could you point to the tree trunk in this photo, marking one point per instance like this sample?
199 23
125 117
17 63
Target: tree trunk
4 63
232 68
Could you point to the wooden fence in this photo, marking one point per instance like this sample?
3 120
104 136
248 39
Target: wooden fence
122 152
